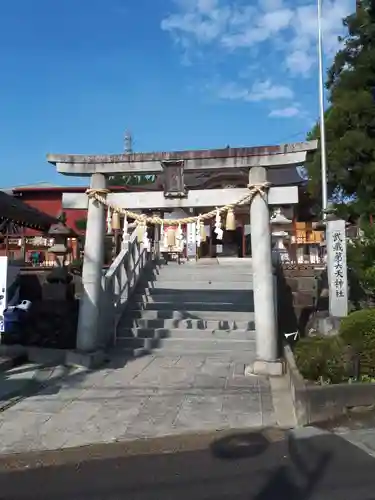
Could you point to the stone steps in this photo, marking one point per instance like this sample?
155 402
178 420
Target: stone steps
218 315
188 334
222 262
184 296
196 285
217 277
240 356
186 324
184 345
192 308
198 306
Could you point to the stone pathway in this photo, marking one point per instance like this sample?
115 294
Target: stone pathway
151 396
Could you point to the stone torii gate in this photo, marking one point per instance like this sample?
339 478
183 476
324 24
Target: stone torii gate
256 159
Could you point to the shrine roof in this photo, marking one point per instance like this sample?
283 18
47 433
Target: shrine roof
13 209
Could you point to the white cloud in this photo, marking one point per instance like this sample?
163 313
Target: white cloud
259 91
268 5
202 21
288 112
274 39
231 25
299 62
303 41
267 91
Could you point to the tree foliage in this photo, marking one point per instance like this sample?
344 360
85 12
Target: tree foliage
81 224
361 258
350 118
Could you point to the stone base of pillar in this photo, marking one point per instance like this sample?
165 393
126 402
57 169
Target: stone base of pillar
270 368
89 360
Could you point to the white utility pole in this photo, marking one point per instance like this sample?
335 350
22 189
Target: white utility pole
321 112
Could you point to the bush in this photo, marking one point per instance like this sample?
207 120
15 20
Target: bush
322 359
358 331
361 258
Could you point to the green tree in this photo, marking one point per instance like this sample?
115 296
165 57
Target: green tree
350 118
81 224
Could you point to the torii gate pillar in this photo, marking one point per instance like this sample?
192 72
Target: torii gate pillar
264 304
88 318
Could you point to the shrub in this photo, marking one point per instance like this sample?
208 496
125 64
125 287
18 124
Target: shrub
358 330
322 358
361 258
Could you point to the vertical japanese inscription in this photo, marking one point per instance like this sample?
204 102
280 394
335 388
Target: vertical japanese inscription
338 249
337 270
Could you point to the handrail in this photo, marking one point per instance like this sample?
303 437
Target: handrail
120 257
118 284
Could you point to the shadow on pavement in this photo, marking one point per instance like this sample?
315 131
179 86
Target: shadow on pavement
241 466
243 445
299 480
296 480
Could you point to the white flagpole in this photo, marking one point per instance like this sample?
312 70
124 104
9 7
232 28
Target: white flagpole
321 112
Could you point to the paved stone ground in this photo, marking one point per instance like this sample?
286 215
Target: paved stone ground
146 397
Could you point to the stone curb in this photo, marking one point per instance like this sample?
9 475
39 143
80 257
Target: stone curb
129 448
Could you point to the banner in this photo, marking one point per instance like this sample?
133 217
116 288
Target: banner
3 289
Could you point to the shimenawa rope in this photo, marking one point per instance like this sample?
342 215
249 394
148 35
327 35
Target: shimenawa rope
100 196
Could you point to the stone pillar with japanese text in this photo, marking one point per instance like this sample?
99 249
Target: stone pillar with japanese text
337 268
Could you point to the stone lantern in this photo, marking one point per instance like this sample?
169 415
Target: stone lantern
55 317
58 281
59 232
280 236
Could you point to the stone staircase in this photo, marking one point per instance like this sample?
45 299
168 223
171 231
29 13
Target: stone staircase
192 308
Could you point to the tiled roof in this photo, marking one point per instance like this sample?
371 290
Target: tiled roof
13 209
42 185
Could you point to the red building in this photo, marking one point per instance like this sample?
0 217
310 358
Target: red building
48 199
21 242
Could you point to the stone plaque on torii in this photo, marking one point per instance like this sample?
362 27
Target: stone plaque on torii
257 160
174 184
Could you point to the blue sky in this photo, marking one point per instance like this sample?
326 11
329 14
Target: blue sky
180 74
